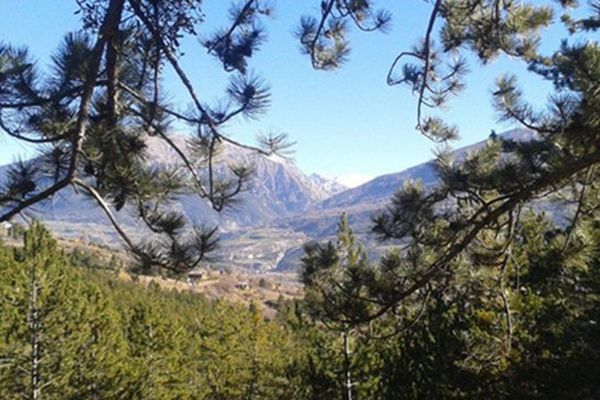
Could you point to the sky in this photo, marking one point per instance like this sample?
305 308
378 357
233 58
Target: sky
348 124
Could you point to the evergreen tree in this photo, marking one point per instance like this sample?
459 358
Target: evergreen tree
271 351
526 329
155 353
223 351
555 304
480 197
69 333
333 276
93 112
100 365
52 346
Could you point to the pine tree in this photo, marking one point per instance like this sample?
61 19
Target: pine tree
223 351
155 354
32 289
480 197
333 276
271 352
58 336
100 366
555 308
92 114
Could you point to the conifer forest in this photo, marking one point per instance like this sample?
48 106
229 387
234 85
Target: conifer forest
163 234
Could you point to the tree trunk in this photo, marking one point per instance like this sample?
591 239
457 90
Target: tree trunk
347 366
35 327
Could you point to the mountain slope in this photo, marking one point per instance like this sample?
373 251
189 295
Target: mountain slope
278 188
361 202
383 187
282 209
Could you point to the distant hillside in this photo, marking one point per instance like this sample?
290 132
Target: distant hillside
361 202
278 188
283 208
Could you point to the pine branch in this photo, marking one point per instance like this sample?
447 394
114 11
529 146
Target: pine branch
109 28
475 226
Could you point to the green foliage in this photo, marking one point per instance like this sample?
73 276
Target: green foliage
482 301
472 213
93 113
333 276
525 328
85 334
60 336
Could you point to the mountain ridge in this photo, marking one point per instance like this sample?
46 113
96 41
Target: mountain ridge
283 208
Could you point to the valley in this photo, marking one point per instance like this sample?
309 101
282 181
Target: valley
266 229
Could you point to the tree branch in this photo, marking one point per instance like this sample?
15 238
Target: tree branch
108 28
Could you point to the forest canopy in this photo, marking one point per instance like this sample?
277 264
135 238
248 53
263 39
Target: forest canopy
490 290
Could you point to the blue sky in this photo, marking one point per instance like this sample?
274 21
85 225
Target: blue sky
348 124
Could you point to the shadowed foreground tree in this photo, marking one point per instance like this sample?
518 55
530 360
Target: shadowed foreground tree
457 341
91 113
473 212
329 274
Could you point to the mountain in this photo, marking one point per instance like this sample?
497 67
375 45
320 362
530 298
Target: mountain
282 210
361 202
383 187
277 189
326 187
